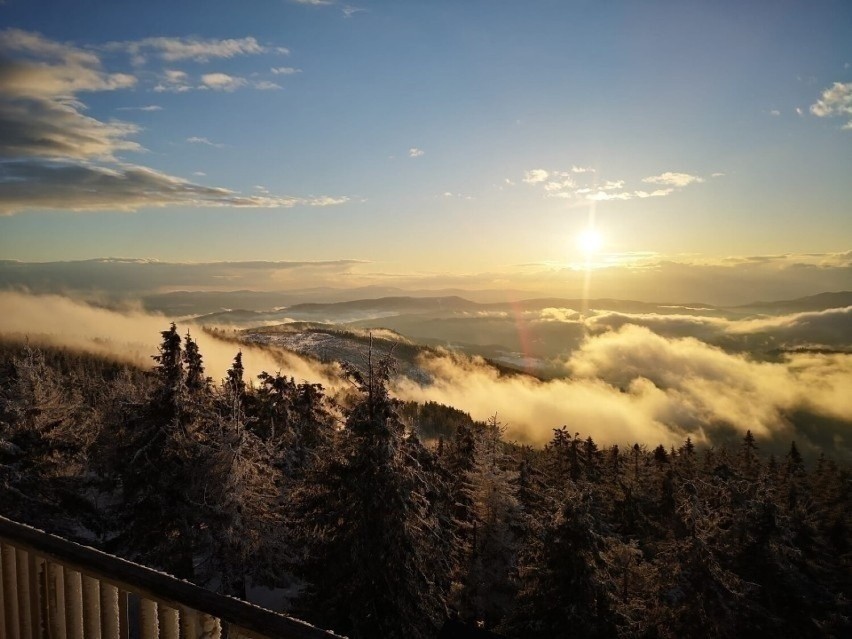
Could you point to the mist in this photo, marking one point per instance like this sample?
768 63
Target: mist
133 337
632 385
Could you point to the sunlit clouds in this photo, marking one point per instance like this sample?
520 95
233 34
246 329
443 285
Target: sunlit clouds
584 184
836 101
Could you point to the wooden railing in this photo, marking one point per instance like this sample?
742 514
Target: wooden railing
52 588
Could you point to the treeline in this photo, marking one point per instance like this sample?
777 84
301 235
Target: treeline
379 519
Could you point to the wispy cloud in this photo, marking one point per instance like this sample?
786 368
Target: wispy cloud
835 101
149 107
673 179
199 140
285 70
414 152
266 85
195 49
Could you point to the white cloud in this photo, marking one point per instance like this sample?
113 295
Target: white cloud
149 107
535 176
195 49
173 81
285 70
835 101
265 85
198 140
414 152
673 179
222 82
656 193
775 112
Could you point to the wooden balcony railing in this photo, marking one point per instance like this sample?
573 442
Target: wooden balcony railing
52 588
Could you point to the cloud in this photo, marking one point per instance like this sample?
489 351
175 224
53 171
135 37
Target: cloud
580 183
265 85
59 186
222 82
535 176
414 152
775 112
195 49
149 107
197 140
173 81
835 101
39 115
58 158
673 179
285 70
56 129
830 328
133 336
129 277
634 386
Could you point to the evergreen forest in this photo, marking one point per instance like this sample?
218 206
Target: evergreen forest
378 518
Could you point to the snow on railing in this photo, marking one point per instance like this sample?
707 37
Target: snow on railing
51 588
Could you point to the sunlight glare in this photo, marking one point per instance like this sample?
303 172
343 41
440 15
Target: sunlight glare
589 241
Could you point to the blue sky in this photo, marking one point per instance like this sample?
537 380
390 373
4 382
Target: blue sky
425 137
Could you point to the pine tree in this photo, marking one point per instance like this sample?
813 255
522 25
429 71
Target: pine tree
376 567
158 517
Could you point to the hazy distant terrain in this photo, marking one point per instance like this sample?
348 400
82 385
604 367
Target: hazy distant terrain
530 334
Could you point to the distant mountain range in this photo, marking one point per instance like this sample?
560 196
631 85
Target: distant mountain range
364 310
526 335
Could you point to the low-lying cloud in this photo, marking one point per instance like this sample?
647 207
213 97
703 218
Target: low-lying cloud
133 337
632 385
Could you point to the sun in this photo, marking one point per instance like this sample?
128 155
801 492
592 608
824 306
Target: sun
589 241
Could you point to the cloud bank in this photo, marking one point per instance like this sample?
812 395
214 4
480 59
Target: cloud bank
133 337
632 385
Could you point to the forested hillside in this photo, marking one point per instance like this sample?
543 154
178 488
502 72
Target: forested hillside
382 519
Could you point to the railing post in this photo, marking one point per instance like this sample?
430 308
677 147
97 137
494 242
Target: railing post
34 565
91 608
56 600
169 627
148 621
73 604
188 623
10 591
22 566
109 612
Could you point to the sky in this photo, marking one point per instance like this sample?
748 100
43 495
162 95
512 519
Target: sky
434 144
